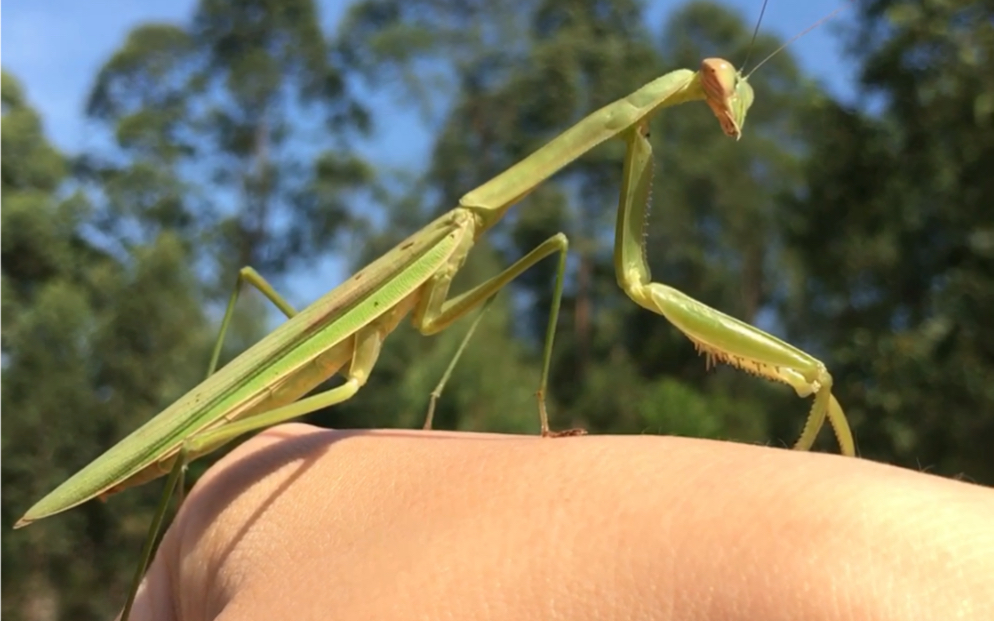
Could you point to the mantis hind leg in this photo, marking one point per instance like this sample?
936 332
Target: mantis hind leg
173 482
720 337
436 394
368 343
435 313
249 276
208 441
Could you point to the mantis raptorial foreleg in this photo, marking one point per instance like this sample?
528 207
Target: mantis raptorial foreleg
720 337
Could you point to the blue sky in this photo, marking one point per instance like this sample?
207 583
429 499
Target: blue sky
56 47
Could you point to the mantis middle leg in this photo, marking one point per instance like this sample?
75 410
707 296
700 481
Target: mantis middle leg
435 313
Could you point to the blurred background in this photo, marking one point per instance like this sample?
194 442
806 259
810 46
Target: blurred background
152 149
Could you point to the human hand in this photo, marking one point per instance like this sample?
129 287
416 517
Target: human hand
304 523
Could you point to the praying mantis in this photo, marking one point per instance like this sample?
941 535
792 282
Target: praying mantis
343 331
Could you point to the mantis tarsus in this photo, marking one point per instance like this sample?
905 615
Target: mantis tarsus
343 331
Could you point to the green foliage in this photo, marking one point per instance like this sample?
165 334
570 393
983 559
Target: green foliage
865 235
93 344
894 237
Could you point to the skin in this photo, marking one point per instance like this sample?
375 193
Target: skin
316 524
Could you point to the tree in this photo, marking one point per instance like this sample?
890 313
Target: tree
232 108
109 275
864 233
895 234
92 342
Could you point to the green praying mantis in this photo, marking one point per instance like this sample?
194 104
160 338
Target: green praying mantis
343 332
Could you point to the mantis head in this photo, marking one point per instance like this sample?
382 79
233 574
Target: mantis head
727 93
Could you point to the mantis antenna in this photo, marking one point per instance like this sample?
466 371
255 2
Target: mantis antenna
791 40
755 31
